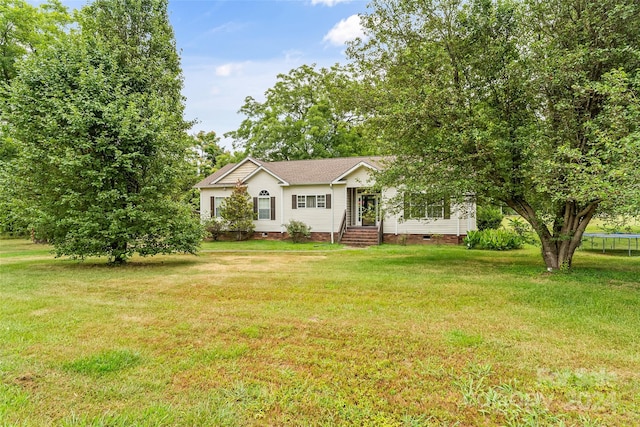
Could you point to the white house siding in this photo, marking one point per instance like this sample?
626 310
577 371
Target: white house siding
240 173
205 199
319 219
361 177
459 222
263 181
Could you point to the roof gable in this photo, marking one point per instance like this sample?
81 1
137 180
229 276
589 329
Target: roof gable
294 172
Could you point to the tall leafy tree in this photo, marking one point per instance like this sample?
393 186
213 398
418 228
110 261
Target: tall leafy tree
237 212
532 103
208 150
25 29
304 116
99 117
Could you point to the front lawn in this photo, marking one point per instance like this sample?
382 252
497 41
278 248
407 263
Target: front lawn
277 334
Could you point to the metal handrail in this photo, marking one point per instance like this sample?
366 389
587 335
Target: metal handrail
343 226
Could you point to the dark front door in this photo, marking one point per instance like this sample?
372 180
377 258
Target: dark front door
369 210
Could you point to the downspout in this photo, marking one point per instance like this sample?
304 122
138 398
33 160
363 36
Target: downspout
333 217
458 220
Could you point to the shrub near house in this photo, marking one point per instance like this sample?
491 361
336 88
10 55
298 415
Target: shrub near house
331 196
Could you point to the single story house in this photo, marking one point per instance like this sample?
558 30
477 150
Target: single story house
335 197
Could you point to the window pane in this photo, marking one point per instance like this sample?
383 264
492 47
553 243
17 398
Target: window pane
418 208
311 201
320 200
264 208
217 204
435 210
302 202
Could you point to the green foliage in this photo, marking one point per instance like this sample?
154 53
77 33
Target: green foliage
304 116
529 103
25 29
523 230
207 152
488 217
298 231
103 144
495 240
237 212
214 227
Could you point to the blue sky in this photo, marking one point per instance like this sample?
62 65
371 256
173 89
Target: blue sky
232 49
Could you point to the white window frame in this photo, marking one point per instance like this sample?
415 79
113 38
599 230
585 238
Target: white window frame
431 210
302 201
311 201
264 197
217 204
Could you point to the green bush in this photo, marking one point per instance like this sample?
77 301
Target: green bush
214 227
488 218
524 230
298 230
237 213
495 240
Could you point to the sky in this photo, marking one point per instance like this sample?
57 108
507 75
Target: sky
232 49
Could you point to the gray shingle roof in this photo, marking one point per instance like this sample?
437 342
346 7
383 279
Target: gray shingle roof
304 172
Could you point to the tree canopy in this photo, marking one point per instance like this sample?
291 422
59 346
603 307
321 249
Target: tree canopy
305 115
103 144
531 103
25 29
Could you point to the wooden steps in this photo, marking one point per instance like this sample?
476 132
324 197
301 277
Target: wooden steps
360 236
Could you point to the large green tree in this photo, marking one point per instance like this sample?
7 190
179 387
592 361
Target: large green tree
99 119
25 29
532 103
306 115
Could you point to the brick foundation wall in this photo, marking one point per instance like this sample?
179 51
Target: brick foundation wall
423 239
400 239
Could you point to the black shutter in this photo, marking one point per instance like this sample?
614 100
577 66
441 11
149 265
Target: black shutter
273 209
327 199
255 205
447 208
213 207
294 202
407 206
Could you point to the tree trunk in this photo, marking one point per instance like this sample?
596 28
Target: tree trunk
118 253
560 243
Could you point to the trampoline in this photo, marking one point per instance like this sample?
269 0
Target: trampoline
619 237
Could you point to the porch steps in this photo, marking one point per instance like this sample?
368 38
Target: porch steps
360 236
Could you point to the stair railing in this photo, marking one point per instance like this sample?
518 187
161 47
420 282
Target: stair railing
343 226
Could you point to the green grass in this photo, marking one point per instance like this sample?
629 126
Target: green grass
271 333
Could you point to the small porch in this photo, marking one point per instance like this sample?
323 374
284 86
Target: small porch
363 207
362 222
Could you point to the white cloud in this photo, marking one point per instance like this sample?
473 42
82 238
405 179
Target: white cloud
226 70
216 90
344 31
329 3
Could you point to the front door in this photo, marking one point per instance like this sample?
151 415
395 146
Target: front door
368 209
